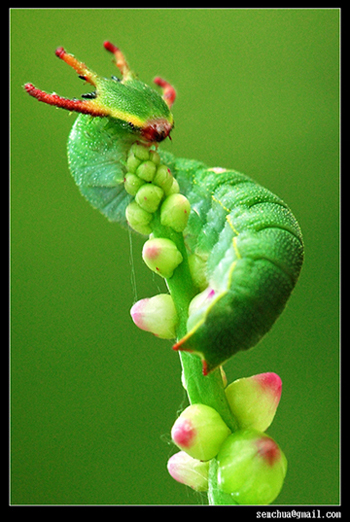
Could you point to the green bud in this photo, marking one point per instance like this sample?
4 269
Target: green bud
154 156
189 471
132 163
156 315
175 212
146 170
251 467
149 197
163 178
200 431
141 152
162 256
254 400
138 218
174 189
132 183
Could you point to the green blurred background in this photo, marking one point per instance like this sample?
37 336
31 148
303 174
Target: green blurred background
94 398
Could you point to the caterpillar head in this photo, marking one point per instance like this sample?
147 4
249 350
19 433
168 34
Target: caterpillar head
127 100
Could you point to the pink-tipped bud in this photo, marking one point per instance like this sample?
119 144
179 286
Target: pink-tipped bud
254 400
251 467
189 471
200 431
156 315
162 256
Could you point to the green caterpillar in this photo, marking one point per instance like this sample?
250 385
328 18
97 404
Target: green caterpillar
243 240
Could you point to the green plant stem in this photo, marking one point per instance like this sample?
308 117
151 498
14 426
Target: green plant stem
202 389
217 497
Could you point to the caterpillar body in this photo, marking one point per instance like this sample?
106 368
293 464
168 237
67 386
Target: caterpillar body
245 240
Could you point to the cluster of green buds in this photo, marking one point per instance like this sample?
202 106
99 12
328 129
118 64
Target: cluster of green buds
153 188
249 465
157 201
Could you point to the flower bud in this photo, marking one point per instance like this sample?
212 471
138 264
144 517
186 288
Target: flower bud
154 156
146 170
132 163
149 197
138 218
162 256
175 212
200 431
254 400
141 152
189 471
174 189
132 183
156 315
251 467
163 178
